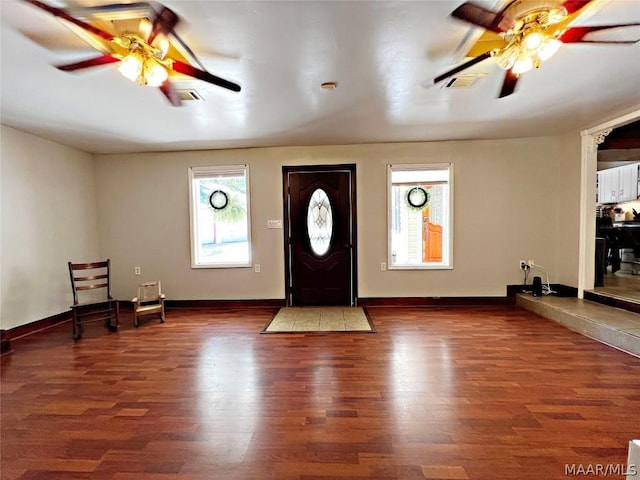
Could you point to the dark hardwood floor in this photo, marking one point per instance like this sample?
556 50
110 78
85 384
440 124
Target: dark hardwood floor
438 393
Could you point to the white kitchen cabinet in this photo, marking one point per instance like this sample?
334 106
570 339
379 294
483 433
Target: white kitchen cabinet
619 184
628 183
606 192
608 185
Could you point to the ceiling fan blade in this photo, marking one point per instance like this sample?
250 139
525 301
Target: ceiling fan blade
462 67
91 62
509 83
624 33
480 16
163 23
185 51
167 89
488 41
116 11
573 6
203 75
60 13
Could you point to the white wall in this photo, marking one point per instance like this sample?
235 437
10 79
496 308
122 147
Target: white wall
513 199
48 217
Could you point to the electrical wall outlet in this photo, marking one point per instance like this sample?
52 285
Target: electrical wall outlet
136 270
531 263
256 268
523 265
383 266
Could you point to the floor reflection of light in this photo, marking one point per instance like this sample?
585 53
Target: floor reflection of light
422 378
322 385
228 396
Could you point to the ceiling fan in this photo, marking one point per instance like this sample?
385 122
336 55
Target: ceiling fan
147 54
526 33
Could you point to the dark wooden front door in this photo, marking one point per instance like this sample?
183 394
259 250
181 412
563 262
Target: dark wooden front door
320 235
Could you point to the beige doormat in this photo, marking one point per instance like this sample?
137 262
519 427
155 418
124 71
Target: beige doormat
320 319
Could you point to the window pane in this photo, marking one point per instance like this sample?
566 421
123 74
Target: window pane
220 219
420 217
319 222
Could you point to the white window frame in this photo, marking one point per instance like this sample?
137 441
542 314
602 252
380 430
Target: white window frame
205 172
447 263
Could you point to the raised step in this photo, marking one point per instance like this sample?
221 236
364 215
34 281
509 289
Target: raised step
612 326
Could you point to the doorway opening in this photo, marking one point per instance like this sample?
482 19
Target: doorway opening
616 285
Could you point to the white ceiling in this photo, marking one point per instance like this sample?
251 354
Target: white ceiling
382 54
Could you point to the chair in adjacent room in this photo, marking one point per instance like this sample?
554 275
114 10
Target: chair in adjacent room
92 300
150 301
630 247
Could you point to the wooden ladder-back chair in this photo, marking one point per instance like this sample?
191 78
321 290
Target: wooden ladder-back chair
92 300
150 301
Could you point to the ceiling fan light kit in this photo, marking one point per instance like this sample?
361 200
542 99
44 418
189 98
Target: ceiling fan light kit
144 56
142 63
144 71
532 31
531 41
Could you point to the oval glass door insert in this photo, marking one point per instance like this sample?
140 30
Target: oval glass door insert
319 222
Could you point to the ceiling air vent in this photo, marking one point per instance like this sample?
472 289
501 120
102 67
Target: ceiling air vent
463 81
189 95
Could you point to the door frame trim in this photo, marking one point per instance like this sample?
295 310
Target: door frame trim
286 170
590 139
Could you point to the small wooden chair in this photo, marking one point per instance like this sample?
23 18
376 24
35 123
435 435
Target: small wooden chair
150 301
92 300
